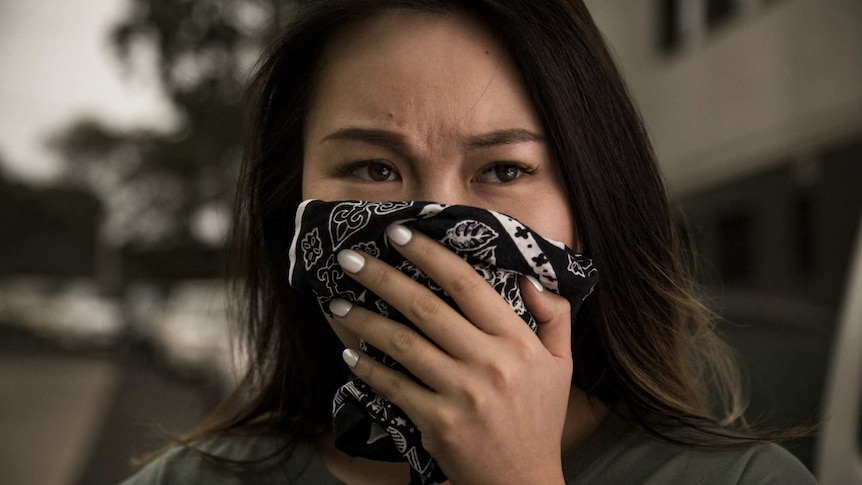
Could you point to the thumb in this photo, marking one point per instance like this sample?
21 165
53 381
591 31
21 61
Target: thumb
552 314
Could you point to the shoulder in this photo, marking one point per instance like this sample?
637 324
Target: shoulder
754 465
774 464
635 458
196 464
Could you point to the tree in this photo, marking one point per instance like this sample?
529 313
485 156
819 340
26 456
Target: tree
47 230
155 184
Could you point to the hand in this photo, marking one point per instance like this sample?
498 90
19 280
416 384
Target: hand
499 392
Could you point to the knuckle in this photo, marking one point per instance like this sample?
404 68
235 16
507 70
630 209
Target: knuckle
404 339
368 373
476 400
445 424
466 283
502 377
425 305
430 444
391 388
378 278
441 431
520 345
524 350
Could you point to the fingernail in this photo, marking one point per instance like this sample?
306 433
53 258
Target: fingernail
340 307
535 283
351 260
350 357
399 234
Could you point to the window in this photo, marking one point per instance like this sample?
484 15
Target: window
669 21
719 11
735 248
680 23
805 251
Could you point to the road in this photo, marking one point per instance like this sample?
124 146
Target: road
50 410
71 419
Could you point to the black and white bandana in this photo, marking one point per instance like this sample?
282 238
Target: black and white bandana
498 246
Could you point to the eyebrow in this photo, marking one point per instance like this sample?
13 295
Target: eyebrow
397 143
503 137
382 138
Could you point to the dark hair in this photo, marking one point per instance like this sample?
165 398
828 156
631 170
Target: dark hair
642 339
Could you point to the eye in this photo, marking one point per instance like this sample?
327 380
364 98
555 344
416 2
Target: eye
503 173
372 171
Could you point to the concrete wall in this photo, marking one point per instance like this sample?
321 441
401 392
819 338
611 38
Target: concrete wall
800 259
758 127
778 81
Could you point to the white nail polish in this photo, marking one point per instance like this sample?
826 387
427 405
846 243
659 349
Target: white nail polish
535 283
351 260
340 307
399 234
350 357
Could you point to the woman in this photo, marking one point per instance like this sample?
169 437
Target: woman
512 106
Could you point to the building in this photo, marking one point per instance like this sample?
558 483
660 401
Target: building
754 108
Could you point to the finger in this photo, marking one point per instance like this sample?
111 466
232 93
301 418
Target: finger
440 322
407 346
553 316
479 301
417 401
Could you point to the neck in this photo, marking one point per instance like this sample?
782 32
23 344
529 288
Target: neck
360 471
584 416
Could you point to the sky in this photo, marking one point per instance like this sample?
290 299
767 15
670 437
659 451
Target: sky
56 64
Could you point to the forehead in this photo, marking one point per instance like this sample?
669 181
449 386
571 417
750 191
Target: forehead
421 71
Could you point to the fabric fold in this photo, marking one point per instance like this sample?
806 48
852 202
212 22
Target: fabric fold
499 248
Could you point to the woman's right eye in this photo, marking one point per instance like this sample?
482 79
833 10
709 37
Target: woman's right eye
372 171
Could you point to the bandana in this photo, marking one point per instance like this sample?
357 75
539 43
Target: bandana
497 246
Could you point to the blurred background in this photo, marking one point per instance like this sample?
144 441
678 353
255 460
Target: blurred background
120 136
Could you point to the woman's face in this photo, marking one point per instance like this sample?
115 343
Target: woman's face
418 106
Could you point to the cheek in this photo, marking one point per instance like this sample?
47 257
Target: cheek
552 218
318 179
311 185
558 225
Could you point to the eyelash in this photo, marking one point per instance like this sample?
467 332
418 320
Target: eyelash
524 170
351 169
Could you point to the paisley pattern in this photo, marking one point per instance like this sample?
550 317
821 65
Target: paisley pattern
497 246
311 248
349 217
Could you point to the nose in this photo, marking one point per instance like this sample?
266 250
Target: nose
441 189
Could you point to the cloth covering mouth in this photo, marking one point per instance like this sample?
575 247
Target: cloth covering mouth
499 248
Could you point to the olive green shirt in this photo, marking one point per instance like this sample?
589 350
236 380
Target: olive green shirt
615 454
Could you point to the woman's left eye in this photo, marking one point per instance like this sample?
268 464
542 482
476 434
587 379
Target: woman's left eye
372 171
503 173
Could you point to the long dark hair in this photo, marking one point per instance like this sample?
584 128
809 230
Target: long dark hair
642 340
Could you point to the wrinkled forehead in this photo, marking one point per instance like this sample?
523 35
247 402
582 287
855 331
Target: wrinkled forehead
422 71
